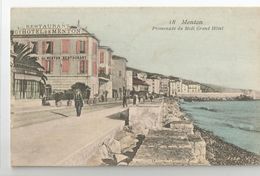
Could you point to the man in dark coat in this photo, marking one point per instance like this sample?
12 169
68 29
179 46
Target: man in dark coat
124 100
78 102
134 99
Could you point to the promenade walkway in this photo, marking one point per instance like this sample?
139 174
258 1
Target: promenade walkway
63 142
28 106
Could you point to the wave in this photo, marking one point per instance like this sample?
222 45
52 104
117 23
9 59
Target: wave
207 109
242 127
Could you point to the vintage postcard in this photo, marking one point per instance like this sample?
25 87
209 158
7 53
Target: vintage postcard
135 86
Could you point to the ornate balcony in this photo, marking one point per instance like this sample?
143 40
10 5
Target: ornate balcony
104 76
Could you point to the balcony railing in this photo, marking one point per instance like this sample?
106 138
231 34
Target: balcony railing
104 75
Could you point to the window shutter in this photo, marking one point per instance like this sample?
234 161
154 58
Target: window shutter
78 66
78 46
65 65
94 68
86 46
52 49
43 47
51 66
65 46
86 66
81 66
93 48
102 57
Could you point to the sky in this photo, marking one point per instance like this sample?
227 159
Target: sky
229 57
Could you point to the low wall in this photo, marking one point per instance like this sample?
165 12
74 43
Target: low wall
146 116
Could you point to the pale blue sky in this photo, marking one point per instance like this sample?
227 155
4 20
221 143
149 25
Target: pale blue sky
230 57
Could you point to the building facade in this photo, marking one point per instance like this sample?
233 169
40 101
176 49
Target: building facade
180 86
165 86
194 88
69 54
129 81
154 84
140 85
184 88
105 71
119 77
141 75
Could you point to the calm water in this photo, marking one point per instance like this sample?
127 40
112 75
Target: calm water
237 122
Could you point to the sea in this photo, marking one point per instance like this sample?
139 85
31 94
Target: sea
236 122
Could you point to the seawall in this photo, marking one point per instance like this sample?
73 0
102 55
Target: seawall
156 134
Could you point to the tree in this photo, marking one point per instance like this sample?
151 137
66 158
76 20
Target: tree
82 87
23 59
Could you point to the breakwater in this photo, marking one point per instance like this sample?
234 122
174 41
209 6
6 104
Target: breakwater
216 96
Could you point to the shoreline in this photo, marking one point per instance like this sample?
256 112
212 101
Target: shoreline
222 153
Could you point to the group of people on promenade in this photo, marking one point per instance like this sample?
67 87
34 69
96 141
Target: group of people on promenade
135 98
79 100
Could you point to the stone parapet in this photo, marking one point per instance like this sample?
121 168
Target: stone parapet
146 116
183 126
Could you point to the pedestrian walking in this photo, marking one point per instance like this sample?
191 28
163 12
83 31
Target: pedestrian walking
134 99
124 100
139 98
78 102
151 98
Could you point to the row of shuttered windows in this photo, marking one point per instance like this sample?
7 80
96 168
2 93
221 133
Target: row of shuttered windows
48 47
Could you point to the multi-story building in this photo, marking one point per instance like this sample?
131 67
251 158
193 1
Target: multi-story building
184 88
140 85
119 77
194 88
141 75
69 54
175 87
165 86
105 71
129 81
154 84
179 86
136 80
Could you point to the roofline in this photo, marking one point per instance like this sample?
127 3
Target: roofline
134 69
119 57
106 47
94 36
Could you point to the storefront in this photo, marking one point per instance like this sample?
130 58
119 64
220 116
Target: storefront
26 84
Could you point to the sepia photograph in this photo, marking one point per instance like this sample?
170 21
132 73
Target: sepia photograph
135 86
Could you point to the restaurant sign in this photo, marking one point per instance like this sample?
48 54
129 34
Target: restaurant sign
64 57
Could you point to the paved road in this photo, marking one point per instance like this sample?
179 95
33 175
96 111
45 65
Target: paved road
30 118
67 141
